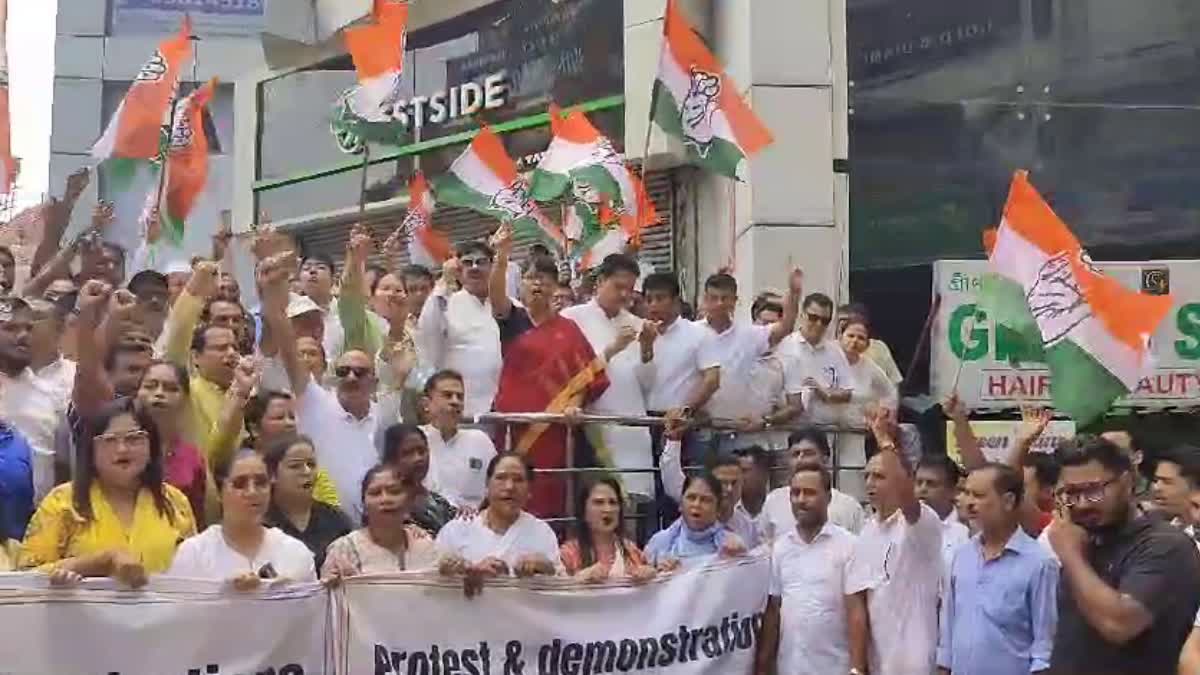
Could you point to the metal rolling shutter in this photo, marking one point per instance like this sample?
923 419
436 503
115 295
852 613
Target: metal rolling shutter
329 235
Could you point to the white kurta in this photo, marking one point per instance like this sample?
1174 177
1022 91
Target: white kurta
629 380
473 541
899 565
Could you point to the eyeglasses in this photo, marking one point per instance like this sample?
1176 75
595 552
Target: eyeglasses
818 318
128 439
1089 494
473 262
244 483
358 371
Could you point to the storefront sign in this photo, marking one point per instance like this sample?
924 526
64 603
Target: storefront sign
968 351
223 17
459 101
998 438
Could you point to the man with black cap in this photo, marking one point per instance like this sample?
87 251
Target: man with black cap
150 289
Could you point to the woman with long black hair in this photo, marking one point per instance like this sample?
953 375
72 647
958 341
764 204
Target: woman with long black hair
597 551
118 517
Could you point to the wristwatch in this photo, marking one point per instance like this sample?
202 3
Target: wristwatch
856 671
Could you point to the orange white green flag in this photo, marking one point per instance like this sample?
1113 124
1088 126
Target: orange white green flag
187 162
485 179
367 111
1045 291
135 130
695 101
426 246
579 154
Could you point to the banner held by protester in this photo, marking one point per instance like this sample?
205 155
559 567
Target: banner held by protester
668 626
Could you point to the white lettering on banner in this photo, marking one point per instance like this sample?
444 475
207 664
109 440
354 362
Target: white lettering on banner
963 333
699 622
171 627
998 438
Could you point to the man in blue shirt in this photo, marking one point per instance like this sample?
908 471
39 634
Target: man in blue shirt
999 612
16 483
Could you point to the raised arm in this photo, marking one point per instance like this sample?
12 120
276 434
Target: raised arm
1033 425
185 313
498 280
58 218
92 387
352 304
964 436
791 308
272 282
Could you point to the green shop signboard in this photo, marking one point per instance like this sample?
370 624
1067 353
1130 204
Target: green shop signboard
967 351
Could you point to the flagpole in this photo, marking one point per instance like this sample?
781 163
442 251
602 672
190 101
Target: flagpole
362 186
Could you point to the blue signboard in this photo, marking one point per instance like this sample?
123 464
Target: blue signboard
209 17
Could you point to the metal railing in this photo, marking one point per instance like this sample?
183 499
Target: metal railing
718 426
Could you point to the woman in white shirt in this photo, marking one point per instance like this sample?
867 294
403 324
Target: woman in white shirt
503 539
241 549
869 385
387 543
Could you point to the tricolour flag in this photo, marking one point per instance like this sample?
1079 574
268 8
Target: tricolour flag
187 161
579 155
8 165
485 179
426 246
695 101
1091 331
377 50
134 132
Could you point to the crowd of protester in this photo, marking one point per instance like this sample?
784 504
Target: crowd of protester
161 426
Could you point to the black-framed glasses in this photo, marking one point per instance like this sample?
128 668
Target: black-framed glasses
346 371
1090 493
818 318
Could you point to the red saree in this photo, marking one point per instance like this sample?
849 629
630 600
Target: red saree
547 368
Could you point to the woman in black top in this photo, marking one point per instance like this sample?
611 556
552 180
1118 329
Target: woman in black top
292 463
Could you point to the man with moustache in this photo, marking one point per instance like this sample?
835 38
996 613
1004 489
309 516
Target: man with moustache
804 630
998 613
1130 584
457 330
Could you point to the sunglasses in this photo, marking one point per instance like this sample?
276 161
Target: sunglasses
473 262
818 318
358 371
258 481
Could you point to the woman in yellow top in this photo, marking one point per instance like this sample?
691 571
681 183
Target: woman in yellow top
271 418
118 518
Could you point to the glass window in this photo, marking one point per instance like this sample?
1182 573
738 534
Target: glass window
567 51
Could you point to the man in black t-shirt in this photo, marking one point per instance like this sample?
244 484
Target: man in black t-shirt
1130 584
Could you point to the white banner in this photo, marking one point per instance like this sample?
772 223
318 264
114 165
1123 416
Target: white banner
702 621
967 352
171 627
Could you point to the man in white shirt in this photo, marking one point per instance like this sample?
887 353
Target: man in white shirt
456 331
804 628
626 343
894 577
808 446
937 488
342 423
823 370
27 402
458 458
686 367
738 346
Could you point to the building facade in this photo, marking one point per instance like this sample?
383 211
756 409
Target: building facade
601 55
99 48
